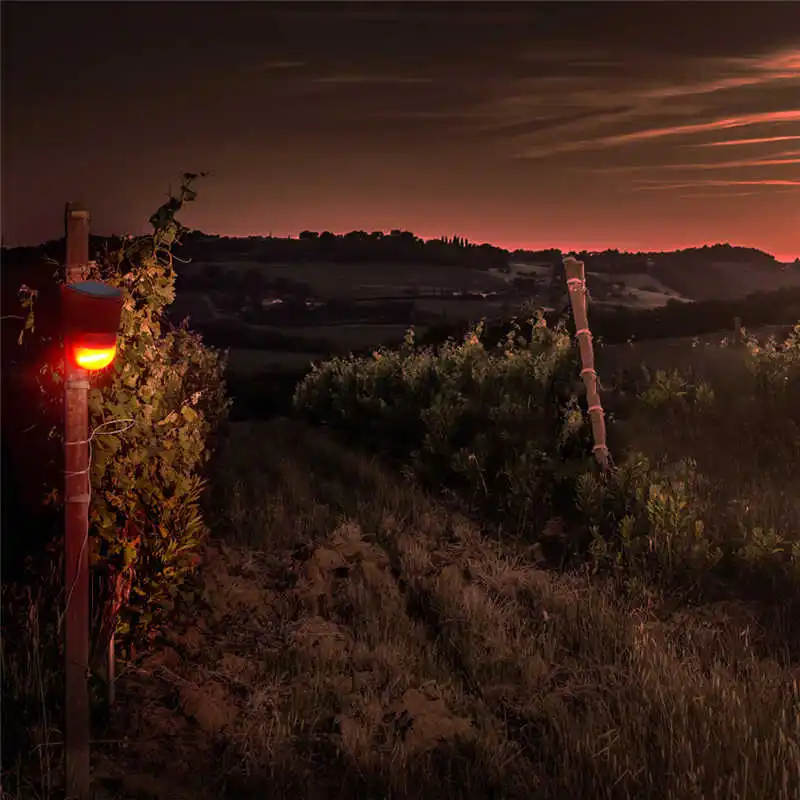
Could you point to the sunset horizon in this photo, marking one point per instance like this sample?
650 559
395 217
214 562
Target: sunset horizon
783 258
575 125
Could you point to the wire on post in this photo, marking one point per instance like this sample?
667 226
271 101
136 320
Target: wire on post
125 425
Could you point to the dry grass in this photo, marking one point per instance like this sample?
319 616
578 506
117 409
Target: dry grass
255 362
353 638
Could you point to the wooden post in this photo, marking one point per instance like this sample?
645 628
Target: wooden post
737 331
111 668
576 285
76 534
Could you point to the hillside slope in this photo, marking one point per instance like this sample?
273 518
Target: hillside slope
725 280
352 637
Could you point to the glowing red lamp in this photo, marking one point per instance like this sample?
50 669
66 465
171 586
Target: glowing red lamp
91 312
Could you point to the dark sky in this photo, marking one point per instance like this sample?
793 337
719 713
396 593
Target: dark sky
634 125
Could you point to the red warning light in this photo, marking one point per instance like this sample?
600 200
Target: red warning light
91 314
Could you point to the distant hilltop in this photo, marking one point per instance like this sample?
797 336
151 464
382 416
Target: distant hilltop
401 246
205 262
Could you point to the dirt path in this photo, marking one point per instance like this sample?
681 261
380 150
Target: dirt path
318 670
354 639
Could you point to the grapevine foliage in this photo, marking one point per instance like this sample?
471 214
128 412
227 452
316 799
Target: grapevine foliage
167 390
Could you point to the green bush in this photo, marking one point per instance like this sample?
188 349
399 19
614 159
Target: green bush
776 368
500 427
717 506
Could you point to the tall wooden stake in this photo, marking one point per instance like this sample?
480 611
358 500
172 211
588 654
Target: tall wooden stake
576 284
76 534
737 332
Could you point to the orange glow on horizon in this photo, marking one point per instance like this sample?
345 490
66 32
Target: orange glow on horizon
623 130
623 245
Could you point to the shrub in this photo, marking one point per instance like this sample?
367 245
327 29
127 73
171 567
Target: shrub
501 427
715 511
776 367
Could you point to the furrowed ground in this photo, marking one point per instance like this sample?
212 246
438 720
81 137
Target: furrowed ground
354 637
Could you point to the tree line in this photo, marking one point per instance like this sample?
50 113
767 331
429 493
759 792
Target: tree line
397 246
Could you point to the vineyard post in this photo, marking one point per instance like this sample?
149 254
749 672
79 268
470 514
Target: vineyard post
76 532
576 284
737 332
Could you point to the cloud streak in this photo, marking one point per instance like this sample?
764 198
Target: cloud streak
742 164
716 195
368 78
655 186
267 66
781 159
756 140
562 113
650 134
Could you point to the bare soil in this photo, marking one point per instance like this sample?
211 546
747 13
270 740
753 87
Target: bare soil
352 637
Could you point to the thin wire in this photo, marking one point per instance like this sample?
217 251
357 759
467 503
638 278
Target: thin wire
95 432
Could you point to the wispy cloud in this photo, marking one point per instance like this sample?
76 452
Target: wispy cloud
650 134
756 140
647 186
724 192
569 112
367 78
780 159
266 66
716 195
465 15
741 164
777 67
442 114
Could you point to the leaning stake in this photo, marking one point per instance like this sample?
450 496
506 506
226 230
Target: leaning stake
576 284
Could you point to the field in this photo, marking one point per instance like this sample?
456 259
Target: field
262 381
348 337
727 280
367 626
276 342
356 638
634 291
366 280
417 584
702 356
364 292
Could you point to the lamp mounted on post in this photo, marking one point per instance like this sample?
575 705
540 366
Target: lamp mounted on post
91 314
